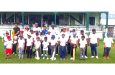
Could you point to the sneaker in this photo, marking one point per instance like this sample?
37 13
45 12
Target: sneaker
92 56
71 58
86 57
107 57
41 54
43 57
51 58
60 59
54 58
56 54
47 58
46 55
104 57
96 57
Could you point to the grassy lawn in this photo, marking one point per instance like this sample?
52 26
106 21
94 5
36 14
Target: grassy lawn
15 59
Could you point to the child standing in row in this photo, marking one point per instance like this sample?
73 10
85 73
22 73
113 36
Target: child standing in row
37 45
21 43
53 47
45 44
9 47
82 43
108 41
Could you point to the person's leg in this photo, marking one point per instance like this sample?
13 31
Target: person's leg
86 51
57 49
43 54
71 50
95 49
108 50
30 53
92 50
41 49
27 52
81 56
19 53
64 52
49 49
47 54
61 53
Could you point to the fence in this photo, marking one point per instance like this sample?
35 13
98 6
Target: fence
100 29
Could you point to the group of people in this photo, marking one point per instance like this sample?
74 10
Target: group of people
47 43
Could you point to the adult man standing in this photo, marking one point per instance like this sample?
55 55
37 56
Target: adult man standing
16 31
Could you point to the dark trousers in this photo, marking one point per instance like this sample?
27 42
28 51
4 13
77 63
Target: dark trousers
29 52
57 49
106 51
25 47
62 51
93 49
69 48
41 48
86 51
49 49
14 48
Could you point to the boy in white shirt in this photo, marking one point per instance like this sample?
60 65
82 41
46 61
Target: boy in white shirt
29 46
21 43
8 47
82 43
53 42
94 42
37 47
108 41
5 39
62 49
86 38
45 44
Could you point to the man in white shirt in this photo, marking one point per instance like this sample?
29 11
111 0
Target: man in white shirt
94 42
108 41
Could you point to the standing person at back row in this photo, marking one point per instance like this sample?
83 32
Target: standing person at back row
16 31
86 38
94 42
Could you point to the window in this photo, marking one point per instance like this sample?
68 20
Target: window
92 20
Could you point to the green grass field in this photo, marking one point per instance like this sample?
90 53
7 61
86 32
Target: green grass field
15 60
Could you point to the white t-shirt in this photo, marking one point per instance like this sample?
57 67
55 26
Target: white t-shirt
48 37
53 42
93 38
108 42
26 34
74 40
9 44
82 43
29 42
45 45
63 41
21 43
5 40
37 44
